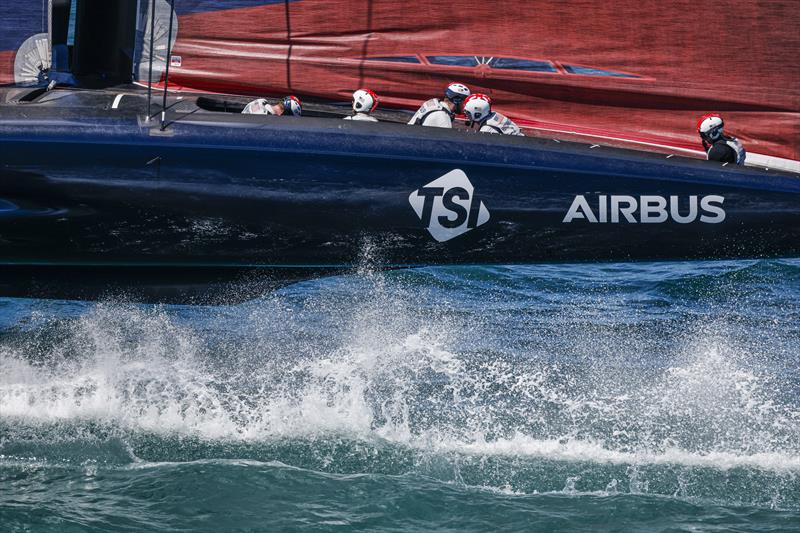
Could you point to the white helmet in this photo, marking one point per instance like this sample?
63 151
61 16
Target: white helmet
477 108
364 101
457 93
292 106
710 127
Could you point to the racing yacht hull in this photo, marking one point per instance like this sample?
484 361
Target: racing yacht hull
95 203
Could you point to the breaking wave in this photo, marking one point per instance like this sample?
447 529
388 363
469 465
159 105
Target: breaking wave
525 381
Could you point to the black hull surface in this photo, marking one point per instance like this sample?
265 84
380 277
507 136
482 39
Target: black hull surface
93 203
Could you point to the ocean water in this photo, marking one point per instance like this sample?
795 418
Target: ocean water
620 397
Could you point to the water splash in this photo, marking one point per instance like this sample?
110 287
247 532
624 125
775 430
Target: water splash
382 373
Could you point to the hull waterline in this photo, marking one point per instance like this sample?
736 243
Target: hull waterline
106 200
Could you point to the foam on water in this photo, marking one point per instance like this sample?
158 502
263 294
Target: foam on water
382 362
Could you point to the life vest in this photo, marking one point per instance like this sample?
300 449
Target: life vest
737 146
733 143
258 106
361 116
499 123
427 109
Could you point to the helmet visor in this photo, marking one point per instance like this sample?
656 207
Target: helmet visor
713 133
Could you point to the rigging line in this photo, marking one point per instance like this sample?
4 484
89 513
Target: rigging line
150 68
365 48
169 60
49 23
289 41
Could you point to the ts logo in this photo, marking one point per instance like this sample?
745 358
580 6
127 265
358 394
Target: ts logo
448 207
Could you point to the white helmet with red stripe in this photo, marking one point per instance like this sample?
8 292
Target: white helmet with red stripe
477 108
364 101
710 127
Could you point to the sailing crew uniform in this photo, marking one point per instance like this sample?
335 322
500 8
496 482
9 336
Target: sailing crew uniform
361 116
259 106
499 123
433 113
726 150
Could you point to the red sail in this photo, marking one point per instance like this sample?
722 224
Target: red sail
640 70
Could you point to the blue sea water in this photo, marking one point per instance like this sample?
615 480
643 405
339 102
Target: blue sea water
620 397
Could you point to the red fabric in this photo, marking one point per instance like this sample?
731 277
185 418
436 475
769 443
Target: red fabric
7 66
740 59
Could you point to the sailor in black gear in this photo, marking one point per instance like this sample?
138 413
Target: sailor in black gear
718 146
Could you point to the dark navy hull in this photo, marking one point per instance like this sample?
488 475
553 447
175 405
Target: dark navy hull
109 203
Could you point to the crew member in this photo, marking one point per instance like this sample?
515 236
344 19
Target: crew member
288 106
440 113
478 110
718 146
364 103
